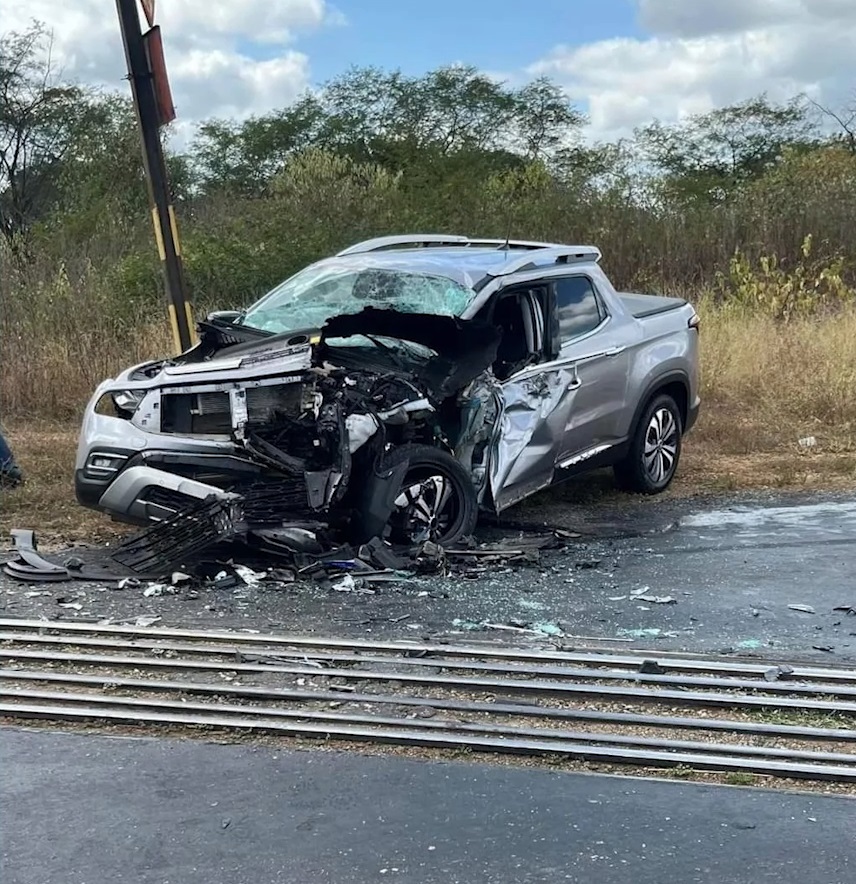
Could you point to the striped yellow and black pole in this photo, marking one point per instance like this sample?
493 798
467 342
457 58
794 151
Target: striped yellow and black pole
145 65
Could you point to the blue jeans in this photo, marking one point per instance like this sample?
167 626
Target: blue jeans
6 457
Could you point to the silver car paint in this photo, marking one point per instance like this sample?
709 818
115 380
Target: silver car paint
551 416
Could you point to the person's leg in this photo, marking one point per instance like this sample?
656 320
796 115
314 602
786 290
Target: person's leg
10 472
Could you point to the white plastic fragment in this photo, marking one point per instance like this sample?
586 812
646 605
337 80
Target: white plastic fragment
128 583
250 577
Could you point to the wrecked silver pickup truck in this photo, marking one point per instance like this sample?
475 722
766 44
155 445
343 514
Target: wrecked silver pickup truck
399 387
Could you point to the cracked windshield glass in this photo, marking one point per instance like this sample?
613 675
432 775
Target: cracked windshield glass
309 299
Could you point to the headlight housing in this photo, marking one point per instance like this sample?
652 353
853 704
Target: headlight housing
128 400
120 403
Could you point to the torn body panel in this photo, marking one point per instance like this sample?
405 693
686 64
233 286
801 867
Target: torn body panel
529 437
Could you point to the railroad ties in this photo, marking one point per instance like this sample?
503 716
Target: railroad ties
643 710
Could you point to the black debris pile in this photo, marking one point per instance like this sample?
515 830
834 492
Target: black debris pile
218 542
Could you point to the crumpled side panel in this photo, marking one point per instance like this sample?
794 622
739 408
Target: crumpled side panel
530 434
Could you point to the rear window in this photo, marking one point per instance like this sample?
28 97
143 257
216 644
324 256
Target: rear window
578 307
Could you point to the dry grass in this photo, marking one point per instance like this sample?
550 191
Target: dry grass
46 502
765 385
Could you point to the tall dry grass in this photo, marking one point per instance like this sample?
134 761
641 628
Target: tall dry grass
766 384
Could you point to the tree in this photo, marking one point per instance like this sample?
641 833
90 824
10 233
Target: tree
37 117
545 119
243 157
450 120
710 154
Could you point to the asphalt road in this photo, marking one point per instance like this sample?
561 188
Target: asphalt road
730 573
82 809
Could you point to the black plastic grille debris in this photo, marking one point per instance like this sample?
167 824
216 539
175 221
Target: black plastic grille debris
172 542
269 503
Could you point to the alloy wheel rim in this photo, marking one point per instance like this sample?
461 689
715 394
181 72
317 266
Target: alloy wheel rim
660 453
425 509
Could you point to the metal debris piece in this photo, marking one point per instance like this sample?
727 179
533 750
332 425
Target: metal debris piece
656 599
803 609
848 609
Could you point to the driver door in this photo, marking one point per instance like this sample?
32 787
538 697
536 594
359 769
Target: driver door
538 397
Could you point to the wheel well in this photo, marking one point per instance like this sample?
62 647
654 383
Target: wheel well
675 388
678 391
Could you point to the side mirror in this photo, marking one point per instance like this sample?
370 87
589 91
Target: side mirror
222 316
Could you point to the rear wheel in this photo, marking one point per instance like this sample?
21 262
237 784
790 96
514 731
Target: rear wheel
655 450
436 500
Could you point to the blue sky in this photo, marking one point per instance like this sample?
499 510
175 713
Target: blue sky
494 35
625 62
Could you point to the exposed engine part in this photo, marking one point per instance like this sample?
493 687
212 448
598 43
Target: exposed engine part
211 412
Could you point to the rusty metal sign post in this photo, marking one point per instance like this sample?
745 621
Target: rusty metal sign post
154 108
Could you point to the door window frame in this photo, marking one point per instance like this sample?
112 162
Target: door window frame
602 310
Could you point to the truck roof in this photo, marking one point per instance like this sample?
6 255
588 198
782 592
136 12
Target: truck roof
465 260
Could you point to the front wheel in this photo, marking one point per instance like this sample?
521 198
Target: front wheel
655 450
435 501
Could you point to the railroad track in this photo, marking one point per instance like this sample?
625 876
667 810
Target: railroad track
616 708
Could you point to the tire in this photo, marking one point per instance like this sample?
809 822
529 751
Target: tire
431 474
655 450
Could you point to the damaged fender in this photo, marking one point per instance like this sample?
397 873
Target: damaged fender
529 434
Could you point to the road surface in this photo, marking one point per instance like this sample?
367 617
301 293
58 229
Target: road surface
83 809
730 573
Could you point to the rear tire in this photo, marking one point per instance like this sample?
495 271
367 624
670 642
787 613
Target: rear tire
655 450
436 500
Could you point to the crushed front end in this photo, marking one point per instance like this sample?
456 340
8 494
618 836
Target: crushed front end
300 426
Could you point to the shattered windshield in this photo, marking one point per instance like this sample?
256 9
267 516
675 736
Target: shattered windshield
311 297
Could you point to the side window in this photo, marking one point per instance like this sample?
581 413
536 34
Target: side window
578 307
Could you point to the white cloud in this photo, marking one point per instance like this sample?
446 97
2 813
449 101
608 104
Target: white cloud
700 56
227 59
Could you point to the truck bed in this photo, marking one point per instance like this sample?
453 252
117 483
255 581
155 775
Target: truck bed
642 306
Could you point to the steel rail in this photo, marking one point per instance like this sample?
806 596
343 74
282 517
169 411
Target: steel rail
478 684
599 738
530 710
412 737
669 659
782 687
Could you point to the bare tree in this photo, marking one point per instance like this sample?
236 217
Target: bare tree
845 119
37 116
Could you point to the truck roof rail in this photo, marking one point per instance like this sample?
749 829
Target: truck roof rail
408 239
382 243
548 255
